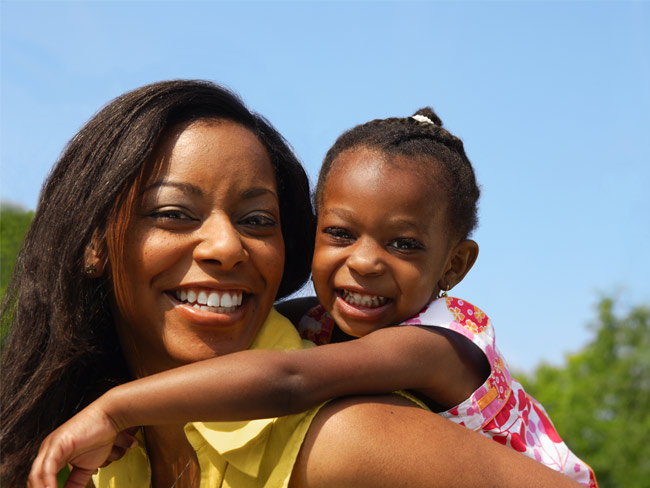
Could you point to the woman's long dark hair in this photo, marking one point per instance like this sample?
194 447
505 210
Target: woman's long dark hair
62 350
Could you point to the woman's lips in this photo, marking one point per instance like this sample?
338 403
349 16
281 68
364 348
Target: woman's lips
216 301
209 307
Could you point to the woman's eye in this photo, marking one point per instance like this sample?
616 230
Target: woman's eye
259 220
170 215
338 233
406 244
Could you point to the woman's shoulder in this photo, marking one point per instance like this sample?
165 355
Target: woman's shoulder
387 441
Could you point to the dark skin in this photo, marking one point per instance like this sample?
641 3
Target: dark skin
386 442
440 368
404 259
385 360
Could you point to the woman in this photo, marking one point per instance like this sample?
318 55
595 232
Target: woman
177 189
72 281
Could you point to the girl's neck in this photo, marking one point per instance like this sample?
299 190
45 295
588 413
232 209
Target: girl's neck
339 336
172 459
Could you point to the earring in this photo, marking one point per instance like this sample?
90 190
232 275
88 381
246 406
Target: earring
443 293
90 270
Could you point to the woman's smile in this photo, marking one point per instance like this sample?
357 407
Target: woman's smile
205 253
211 301
205 307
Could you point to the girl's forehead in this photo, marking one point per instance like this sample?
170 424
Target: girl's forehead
382 168
386 184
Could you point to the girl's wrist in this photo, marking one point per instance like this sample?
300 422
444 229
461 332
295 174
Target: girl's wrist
112 409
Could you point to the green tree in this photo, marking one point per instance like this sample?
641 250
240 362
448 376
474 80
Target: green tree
600 399
14 222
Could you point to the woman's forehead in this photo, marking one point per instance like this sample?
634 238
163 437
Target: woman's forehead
211 145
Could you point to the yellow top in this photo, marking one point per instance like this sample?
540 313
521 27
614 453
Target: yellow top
245 454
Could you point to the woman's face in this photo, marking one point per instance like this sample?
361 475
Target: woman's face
204 253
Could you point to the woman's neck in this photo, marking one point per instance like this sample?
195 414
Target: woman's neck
173 461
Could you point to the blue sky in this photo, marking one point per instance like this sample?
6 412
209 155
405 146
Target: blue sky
552 100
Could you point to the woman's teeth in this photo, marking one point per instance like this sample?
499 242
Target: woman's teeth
369 301
213 301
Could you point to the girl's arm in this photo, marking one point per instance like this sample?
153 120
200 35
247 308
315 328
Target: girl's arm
260 384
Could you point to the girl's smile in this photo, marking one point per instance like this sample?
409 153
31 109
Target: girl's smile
362 300
382 242
361 306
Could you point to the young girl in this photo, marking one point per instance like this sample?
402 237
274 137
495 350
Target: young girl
396 201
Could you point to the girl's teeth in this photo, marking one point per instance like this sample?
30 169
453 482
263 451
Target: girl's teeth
202 298
191 296
369 301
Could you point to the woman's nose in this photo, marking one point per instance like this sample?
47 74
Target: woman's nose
220 243
366 258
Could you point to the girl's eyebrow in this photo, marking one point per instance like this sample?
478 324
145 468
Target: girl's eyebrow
394 221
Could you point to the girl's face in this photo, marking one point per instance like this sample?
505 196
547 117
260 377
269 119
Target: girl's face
204 253
382 243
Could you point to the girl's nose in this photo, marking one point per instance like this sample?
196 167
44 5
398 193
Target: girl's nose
366 258
220 243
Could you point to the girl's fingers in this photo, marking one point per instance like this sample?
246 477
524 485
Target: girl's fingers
125 440
79 477
44 469
116 453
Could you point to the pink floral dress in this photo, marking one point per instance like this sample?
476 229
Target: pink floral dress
500 408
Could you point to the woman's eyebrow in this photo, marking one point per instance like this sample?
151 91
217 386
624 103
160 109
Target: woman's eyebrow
258 191
184 187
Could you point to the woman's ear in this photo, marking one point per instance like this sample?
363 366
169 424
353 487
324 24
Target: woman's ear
462 258
95 259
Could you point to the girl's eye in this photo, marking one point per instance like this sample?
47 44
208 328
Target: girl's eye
338 233
259 220
406 244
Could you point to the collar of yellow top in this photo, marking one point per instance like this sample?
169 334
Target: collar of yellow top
242 443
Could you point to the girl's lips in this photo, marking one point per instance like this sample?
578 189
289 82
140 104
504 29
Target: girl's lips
361 306
362 299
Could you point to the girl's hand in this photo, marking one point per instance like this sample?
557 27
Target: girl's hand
87 441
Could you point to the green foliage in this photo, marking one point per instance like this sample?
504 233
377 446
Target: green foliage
62 476
600 400
14 223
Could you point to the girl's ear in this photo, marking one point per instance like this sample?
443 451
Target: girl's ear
461 260
95 259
